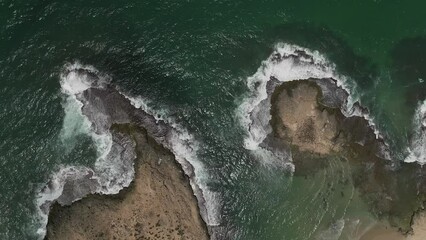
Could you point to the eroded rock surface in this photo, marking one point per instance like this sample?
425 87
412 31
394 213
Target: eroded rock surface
303 123
159 203
307 118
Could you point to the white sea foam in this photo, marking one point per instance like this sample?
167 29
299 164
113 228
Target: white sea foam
145 105
417 148
72 82
108 169
53 191
254 110
285 70
111 181
184 147
74 123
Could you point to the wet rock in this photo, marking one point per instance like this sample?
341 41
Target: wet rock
307 117
140 156
159 204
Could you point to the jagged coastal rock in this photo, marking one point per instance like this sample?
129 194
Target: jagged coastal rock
159 203
142 186
306 118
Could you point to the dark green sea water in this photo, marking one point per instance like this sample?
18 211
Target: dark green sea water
193 58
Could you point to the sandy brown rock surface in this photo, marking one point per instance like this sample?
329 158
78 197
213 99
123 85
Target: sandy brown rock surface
313 131
159 204
419 227
303 123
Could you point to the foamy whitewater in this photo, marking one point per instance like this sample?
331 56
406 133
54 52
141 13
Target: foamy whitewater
75 123
72 85
108 176
417 148
288 63
185 148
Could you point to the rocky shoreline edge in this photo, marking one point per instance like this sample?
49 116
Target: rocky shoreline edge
158 204
145 183
306 120
394 190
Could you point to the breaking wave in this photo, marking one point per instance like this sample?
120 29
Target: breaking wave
53 190
289 63
113 169
417 148
79 181
184 147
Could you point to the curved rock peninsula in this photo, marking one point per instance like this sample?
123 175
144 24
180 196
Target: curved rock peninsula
159 203
158 197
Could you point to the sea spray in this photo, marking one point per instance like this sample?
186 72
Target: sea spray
417 148
290 63
53 190
74 80
113 169
184 147
74 123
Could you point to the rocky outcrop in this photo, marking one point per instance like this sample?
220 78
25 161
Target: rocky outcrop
307 119
157 198
159 203
302 123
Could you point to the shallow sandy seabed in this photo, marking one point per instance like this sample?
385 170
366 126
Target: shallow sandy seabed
381 232
300 120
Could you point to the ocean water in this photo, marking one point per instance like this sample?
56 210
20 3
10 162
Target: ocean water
193 61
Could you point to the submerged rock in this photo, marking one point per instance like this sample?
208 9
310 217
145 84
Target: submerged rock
307 119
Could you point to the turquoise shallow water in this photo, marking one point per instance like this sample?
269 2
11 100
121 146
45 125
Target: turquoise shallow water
193 58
